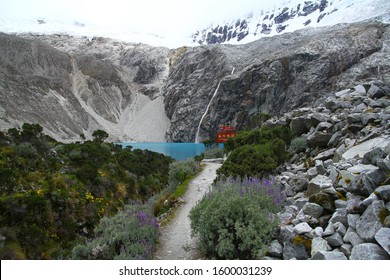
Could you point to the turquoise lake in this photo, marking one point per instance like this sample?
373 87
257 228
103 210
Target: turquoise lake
178 151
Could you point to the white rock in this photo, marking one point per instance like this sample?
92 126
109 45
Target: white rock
365 147
302 228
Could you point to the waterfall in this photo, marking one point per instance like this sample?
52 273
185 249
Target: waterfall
205 113
207 109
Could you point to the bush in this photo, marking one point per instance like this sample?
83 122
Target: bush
298 145
181 170
250 160
235 220
129 235
261 136
26 150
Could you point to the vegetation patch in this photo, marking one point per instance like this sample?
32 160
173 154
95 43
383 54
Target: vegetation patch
236 220
256 153
52 194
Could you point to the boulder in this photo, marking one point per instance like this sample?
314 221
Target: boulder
324 126
369 223
293 247
328 154
301 125
324 255
319 244
302 228
359 90
346 249
340 228
360 150
313 210
319 165
339 216
335 240
325 200
298 182
329 230
354 118
373 156
318 184
352 237
340 203
319 139
318 231
354 204
275 249
368 251
383 193
375 92
348 180
383 239
335 139
352 220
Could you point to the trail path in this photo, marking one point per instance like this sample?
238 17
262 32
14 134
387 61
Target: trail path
175 240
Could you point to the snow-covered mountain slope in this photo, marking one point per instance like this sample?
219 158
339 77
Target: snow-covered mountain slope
43 26
294 15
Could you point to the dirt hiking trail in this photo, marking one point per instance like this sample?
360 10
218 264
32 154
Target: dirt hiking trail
175 239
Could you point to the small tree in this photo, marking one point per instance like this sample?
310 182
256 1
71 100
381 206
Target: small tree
99 136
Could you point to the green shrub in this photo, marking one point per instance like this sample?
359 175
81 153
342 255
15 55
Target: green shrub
235 220
26 150
129 235
298 144
260 136
249 160
256 153
181 170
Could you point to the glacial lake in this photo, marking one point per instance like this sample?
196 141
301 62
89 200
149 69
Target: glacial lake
178 151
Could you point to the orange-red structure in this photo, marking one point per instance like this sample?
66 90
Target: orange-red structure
224 133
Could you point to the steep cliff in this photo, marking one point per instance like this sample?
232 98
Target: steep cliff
272 75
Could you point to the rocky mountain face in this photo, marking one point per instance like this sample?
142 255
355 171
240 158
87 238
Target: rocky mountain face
272 75
73 86
289 17
338 186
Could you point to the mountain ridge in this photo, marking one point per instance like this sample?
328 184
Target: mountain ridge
292 16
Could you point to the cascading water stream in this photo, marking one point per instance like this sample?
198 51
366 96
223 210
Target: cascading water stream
207 109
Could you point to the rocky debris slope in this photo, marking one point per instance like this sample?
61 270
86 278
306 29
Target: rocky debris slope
338 188
272 75
73 86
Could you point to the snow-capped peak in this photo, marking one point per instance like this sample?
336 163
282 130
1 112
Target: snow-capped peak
294 15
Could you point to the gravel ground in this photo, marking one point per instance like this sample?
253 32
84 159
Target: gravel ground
175 239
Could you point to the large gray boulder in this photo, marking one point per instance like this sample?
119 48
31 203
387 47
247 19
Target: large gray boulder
352 237
369 223
383 238
312 209
318 184
294 246
275 249
360 150
319 244
368 251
